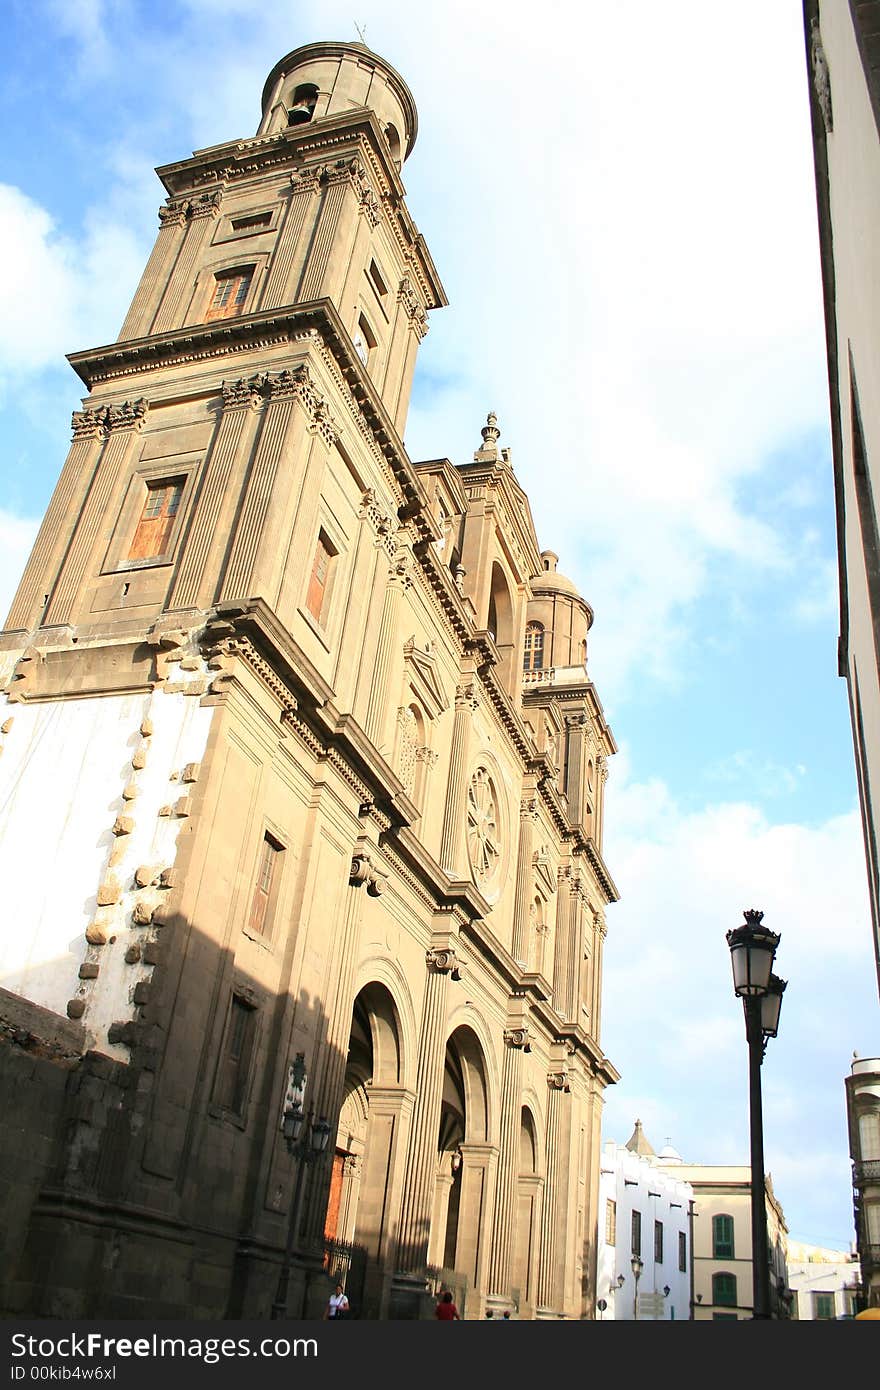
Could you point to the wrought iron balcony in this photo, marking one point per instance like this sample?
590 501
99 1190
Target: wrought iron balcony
866 1173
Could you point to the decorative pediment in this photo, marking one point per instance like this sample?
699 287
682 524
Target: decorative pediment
421 671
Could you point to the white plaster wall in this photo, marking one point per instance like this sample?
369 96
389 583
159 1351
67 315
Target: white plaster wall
62 774
628 1179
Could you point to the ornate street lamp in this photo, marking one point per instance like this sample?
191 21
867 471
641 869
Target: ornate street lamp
752 950
638 1265
306 1141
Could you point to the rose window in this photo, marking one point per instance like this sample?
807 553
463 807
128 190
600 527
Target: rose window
483 828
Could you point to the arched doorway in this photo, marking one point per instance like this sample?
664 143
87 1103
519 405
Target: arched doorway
460 1213
366 1151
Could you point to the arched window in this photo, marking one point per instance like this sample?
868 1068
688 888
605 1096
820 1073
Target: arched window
724 1290
533 653
722 1237
303 106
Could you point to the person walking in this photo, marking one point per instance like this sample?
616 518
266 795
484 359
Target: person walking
337 1304
446 1310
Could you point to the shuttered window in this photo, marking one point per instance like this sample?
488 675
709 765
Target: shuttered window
153 531
230 292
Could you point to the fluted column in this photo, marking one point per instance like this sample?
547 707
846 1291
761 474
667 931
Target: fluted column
315 268
399 580
421 1163
201 212
172 221
452 857
122 422
549 1303
194 579
528 809
278 283
575 727
601 933
331 1054
253 555
561 954
89 434
505 1212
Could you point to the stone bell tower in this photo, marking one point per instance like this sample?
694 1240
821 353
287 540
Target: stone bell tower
288 287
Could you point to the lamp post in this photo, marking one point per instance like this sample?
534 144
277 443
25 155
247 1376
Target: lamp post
752 950
306 1142
638 1265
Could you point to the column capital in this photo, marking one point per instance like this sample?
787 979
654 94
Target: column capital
205 205
88 423
466 696
518 1038
129 415
241 394
443 961
558 1080
365 871
173 212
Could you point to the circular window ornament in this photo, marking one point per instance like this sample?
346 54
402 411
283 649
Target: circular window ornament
483 830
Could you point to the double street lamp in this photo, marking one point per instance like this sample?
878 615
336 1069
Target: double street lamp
752 951
306 1141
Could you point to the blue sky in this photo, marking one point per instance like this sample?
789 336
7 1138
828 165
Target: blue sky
621 206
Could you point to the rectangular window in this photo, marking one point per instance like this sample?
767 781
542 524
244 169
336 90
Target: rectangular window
318 595
682 1252
154 528
233 1071
251 221
658 1242
722 1237
610 1223
869 1136
636 1229
823 1305
376 279
230 292
266 886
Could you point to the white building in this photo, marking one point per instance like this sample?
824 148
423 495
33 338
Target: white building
825 1282
644 1211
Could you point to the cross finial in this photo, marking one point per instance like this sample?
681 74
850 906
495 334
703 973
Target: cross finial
362 32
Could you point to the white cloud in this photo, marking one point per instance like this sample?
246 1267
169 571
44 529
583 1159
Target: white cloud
16 538
63 290
672 1024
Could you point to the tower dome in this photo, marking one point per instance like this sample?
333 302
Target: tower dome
322 80
560 614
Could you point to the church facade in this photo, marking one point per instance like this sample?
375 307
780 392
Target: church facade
303 782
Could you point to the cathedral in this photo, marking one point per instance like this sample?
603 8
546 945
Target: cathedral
302 789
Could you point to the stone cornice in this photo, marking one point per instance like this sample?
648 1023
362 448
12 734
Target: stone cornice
226 338
583 692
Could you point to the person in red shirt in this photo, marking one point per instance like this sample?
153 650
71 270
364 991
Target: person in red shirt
446 1310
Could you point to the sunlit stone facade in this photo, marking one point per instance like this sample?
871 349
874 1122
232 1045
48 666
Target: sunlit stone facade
300 759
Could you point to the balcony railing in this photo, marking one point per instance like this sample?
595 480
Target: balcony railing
866 1173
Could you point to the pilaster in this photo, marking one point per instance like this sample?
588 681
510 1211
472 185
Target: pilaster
452 838
415 1214
166 248
550 1274
53 537
201 213
122 423
516 1040
399 580
196 580
528 811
